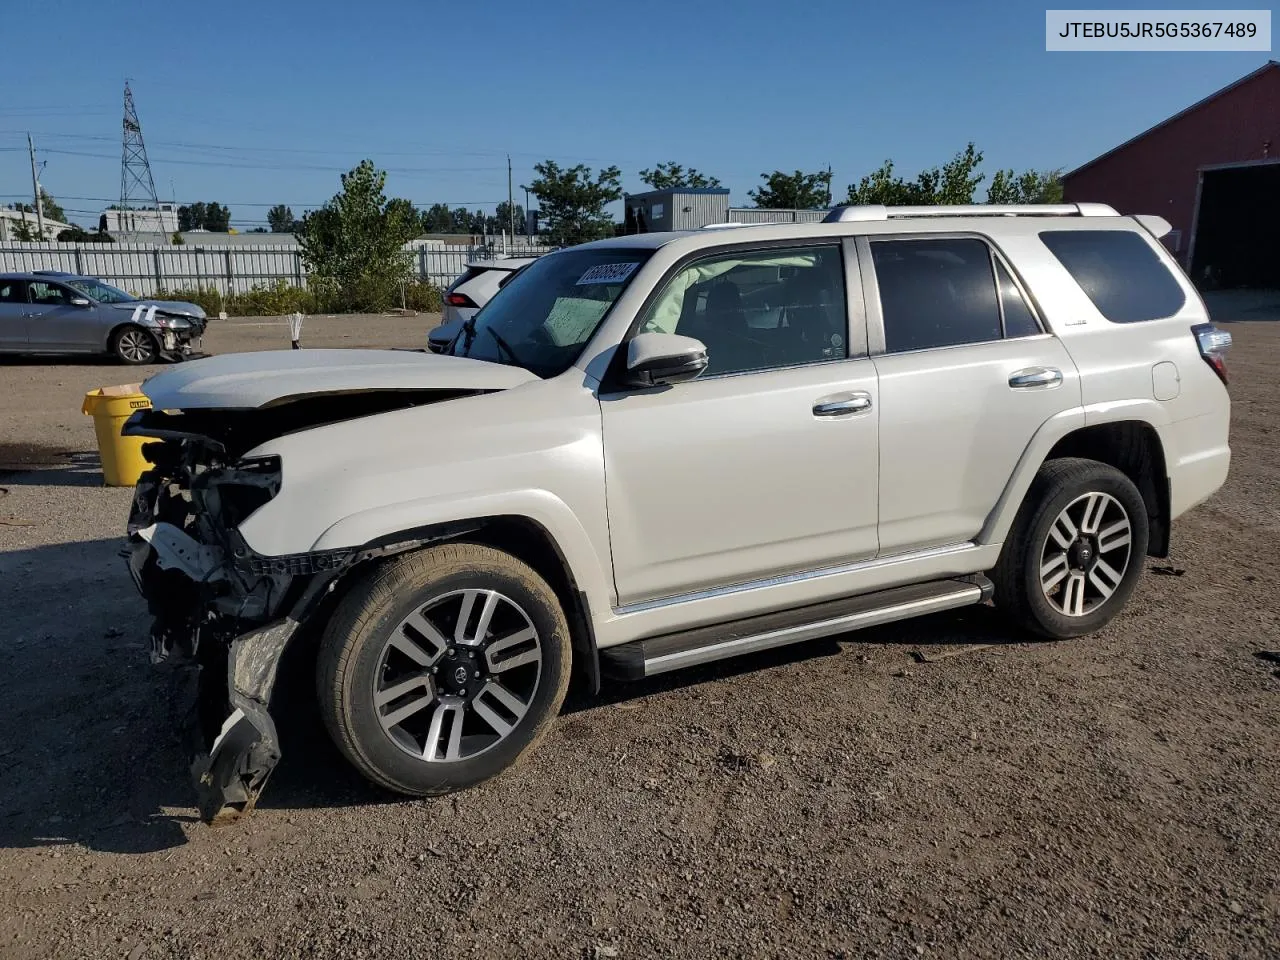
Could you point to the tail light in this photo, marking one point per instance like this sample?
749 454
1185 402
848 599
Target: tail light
1213 344
459 300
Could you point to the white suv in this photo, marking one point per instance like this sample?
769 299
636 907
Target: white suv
664 449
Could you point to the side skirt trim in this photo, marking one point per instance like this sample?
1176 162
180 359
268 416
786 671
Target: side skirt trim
645 658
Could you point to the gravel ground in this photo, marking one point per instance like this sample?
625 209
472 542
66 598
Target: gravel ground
939 787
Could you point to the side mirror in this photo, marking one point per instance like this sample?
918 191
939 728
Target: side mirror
661 359
438 340
80 302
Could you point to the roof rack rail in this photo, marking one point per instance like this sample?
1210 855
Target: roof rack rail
877 211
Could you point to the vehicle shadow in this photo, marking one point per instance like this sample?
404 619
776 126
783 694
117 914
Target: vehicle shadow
86 753
36 465
69 360
89 747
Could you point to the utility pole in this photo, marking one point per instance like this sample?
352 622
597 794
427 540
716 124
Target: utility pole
35 188
511 207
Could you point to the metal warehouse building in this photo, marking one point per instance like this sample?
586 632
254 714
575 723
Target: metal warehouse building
1212 171
675 208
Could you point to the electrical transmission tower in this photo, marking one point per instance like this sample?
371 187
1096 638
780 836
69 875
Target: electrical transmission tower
137 188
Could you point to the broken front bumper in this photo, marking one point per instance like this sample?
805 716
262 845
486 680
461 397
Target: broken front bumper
225 666
179 345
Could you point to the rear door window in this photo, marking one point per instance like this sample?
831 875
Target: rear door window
1119 272
1019 321
936 293
13 291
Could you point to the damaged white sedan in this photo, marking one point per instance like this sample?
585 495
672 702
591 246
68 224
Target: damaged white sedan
656 451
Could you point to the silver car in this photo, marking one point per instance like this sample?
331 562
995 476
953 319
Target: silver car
51 312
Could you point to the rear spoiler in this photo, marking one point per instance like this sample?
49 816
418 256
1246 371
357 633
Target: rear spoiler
1156 226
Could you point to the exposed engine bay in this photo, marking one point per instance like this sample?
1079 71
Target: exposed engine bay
223 614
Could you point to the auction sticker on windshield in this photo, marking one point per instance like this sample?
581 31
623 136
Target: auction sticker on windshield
607 273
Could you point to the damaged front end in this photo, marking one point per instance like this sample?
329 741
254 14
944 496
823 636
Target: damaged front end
222 614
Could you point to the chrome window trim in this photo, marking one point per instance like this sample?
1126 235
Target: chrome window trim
790 578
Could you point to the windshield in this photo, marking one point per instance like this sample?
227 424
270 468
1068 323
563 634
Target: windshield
544 317
102 292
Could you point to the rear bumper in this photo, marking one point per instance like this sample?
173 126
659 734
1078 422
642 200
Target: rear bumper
1197 458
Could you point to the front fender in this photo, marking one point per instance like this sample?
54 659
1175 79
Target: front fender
588 569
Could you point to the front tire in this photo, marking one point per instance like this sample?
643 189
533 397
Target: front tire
443 668
134 346
1075 551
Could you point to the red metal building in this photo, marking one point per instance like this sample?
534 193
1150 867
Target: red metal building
1212 171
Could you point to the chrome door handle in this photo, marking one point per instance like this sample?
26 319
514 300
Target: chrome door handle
1035 377
840 406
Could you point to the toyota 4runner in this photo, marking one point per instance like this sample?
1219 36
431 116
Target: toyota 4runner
660 450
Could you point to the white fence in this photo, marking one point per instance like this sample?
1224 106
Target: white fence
145 269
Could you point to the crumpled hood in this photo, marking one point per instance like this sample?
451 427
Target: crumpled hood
249 380
176 307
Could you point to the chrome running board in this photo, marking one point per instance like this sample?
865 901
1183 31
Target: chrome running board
645 658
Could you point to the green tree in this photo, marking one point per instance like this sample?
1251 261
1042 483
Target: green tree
405 215
211 216
883 187
26 231
176 239
78 234
437 219
666 175
1032 186
953 183
354 244
793 191
504 215
572 202
217 218
959 177
51 208
280 219
191 217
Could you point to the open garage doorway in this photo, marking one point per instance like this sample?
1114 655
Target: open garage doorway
1236 238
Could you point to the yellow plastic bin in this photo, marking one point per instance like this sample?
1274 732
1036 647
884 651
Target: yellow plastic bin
110 407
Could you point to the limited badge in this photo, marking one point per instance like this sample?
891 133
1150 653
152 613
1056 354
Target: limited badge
837 340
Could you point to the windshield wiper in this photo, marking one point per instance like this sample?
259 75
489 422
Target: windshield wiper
503 346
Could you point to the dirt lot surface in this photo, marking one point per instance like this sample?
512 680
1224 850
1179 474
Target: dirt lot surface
936 788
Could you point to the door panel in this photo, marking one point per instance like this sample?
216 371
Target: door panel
952 431
966 380
54 324
736 478
13 314
767 464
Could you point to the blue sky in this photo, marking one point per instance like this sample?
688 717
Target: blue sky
251 104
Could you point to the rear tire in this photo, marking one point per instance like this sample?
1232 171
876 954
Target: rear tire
132 345
443 668
1075 551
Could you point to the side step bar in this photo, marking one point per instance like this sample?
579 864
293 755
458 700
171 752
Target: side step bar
645 658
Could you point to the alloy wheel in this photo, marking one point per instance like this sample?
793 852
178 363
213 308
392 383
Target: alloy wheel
1085 554
135 346
457 675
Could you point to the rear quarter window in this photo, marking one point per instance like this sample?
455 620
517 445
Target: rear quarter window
1119 272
